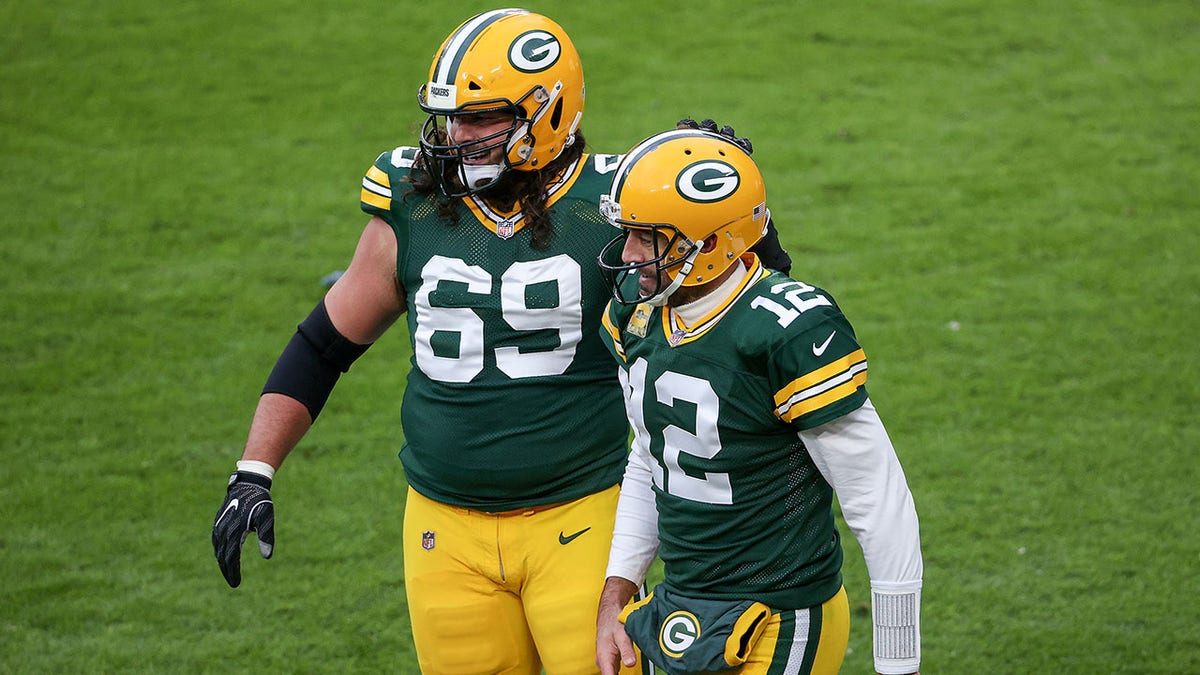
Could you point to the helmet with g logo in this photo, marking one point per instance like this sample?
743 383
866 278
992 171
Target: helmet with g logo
506 61
701 191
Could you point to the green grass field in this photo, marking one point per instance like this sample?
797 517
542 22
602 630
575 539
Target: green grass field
1004 196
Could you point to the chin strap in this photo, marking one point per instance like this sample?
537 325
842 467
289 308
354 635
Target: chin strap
659 299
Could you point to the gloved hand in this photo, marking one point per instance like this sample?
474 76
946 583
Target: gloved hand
708 124
247 507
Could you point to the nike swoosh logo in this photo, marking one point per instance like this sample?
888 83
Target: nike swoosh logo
817 351
564 540
232 505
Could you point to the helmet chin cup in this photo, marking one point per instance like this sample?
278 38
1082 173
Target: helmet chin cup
480 176
660 298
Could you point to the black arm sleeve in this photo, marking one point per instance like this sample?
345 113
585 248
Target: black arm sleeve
312 362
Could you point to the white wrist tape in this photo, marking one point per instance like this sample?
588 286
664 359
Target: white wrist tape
255 466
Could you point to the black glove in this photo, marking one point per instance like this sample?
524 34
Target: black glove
708 124
770 251
247 506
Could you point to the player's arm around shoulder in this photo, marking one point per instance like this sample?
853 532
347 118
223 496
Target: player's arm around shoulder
368 298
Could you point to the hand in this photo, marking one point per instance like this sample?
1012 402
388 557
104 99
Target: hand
708 124
247 507
613 646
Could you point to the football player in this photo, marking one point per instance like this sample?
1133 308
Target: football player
746 390
485 236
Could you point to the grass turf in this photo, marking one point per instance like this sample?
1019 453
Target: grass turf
1002 195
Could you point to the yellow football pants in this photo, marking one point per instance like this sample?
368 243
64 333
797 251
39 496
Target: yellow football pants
810 641
510 592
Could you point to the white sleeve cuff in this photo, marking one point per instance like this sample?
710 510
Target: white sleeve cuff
896 615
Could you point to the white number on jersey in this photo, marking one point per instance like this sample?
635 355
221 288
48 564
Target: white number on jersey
567 318
786 315
607 163
714 487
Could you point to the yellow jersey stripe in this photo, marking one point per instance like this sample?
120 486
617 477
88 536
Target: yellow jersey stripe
613 332
797 409
819 375
379 176
378 201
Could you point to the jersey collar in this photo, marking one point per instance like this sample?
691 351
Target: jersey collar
677 333
506 224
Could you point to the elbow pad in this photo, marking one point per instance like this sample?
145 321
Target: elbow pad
312 362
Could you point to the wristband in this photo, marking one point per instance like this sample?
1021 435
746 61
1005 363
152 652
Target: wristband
255 466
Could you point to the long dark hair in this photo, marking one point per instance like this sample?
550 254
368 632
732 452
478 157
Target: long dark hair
526 189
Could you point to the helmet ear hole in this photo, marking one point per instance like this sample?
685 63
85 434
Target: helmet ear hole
474 86
556 116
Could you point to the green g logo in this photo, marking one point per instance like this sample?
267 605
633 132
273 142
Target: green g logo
679 631
709 180
534 51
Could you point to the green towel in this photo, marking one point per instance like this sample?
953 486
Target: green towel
686 636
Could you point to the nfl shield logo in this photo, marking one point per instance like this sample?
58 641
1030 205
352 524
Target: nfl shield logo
504 229
676 338
428 540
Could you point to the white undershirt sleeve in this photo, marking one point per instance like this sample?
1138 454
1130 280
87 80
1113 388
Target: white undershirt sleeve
856 457
635 533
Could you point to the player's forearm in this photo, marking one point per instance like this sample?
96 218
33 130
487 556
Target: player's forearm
279 423
616 594
856 457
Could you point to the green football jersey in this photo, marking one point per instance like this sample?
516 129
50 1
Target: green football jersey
743 511
512 400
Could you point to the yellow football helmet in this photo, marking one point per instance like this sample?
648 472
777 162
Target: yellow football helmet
701 191
511 61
